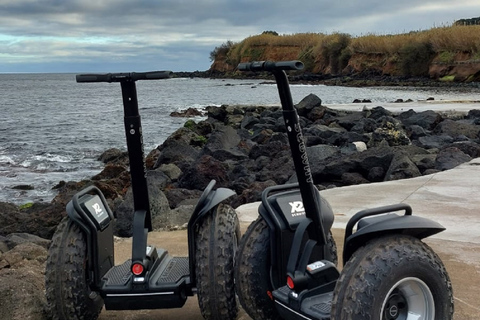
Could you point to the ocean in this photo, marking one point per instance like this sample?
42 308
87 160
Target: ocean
54 129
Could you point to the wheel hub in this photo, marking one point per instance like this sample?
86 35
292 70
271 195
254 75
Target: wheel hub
408 299
396 307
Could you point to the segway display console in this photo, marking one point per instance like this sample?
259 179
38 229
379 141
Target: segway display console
286 261
81 274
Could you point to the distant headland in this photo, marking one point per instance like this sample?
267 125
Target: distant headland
447 54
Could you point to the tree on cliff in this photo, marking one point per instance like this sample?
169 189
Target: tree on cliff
221 51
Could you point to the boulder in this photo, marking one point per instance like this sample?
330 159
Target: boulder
390 130
434 141
360 162
401 167
202 171
180 148
450 157
223 145
307 104
176 196
159 206
40 219
456 129
171 171
428 120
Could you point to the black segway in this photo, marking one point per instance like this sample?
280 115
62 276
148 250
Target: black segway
81 275
286 261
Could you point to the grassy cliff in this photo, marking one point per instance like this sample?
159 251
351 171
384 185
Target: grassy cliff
446 53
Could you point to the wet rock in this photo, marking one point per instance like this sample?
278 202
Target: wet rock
23 187
113 155
188 113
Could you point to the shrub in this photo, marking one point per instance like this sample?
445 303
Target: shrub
415 58
222 50
330 51
270 32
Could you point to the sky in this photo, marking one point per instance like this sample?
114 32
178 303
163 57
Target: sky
178 35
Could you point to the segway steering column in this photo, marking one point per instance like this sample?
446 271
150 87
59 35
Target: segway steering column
297 142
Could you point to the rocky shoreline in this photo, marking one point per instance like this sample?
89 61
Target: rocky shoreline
361 79
244 148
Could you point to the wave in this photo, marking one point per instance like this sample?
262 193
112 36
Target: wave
6 160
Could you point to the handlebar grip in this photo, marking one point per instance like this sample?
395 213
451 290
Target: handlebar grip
152 75
119 77
270 65
93 78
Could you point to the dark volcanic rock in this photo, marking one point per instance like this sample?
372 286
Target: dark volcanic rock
40 219
181 148
457 129
428 120
202 171
159 207
307 104
188 113
450 157
402 167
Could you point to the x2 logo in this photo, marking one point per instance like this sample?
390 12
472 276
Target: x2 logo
98 209
297 208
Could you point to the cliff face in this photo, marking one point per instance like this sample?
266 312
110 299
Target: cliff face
463 67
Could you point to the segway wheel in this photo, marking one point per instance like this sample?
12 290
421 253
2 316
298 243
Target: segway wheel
216 243
394 277
252 271
68 294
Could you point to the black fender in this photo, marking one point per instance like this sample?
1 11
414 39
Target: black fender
207 201
96 223
385 223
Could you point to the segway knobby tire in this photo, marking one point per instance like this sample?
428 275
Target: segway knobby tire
216 243
252 270
67 291
390 277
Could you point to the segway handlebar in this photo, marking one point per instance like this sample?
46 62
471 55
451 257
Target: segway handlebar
123 76
270 66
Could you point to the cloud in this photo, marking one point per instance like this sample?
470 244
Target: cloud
81 34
